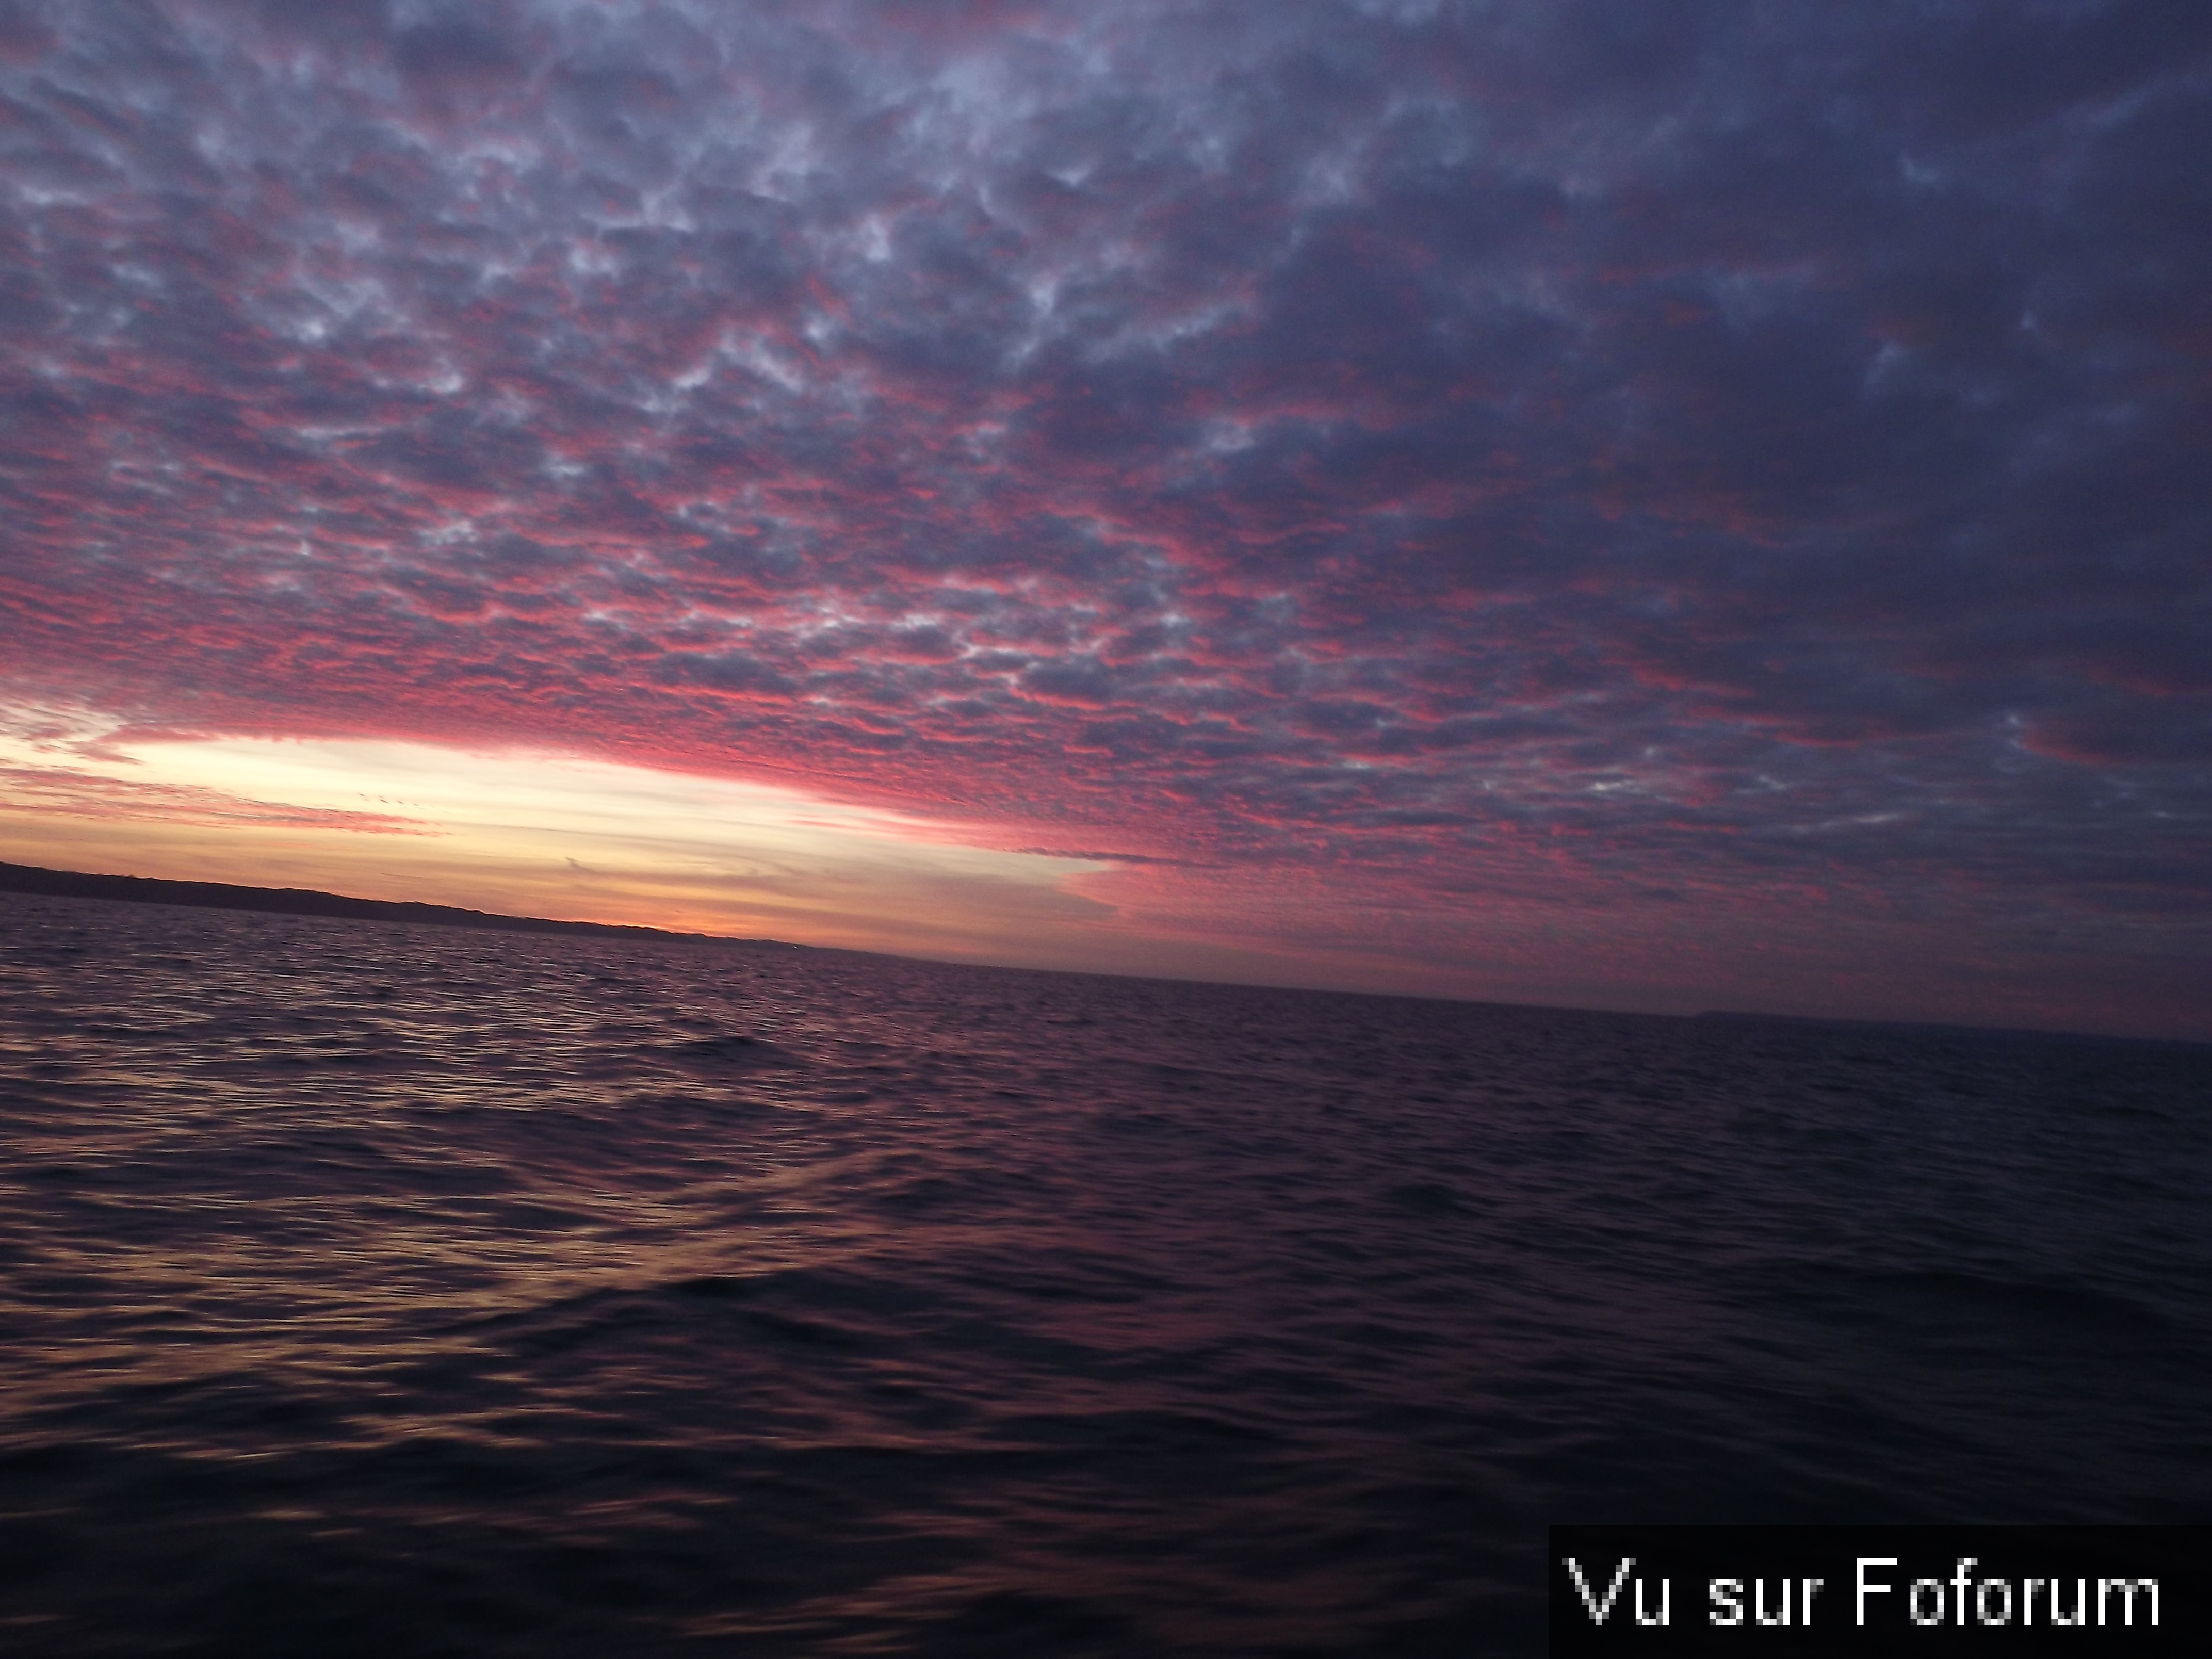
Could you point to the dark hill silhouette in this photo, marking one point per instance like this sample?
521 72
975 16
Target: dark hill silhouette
307 901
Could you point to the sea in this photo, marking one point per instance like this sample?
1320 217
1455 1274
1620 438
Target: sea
373 1288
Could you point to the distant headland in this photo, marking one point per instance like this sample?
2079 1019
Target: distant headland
307 901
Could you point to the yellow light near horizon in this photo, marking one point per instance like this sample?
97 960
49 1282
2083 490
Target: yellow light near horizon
538 833
538 804
550 833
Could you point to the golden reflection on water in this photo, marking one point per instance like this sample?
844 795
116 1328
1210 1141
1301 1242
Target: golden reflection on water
628 1288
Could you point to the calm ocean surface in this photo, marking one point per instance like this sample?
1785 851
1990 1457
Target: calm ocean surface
370 1289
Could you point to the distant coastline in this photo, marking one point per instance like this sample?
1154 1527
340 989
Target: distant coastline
308 901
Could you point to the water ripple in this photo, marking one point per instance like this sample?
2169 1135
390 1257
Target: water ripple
367 1288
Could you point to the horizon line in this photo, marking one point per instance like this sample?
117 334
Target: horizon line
42 881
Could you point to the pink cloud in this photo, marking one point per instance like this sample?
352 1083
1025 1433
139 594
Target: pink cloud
82 795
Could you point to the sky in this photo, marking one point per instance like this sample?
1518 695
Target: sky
1655 507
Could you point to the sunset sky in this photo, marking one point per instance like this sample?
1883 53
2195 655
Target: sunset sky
1649 507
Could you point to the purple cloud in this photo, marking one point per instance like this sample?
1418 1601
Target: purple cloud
1586 455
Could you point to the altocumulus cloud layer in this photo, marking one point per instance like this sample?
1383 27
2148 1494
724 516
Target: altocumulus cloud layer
1433 478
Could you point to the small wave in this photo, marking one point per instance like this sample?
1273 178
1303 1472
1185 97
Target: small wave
731 1052
1428 1198
1956 1298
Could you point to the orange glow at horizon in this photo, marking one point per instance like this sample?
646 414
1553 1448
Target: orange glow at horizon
579 839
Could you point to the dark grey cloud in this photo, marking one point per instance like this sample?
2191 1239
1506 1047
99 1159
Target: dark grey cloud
1697 440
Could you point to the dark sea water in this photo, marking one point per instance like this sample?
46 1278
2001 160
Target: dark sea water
367 1289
